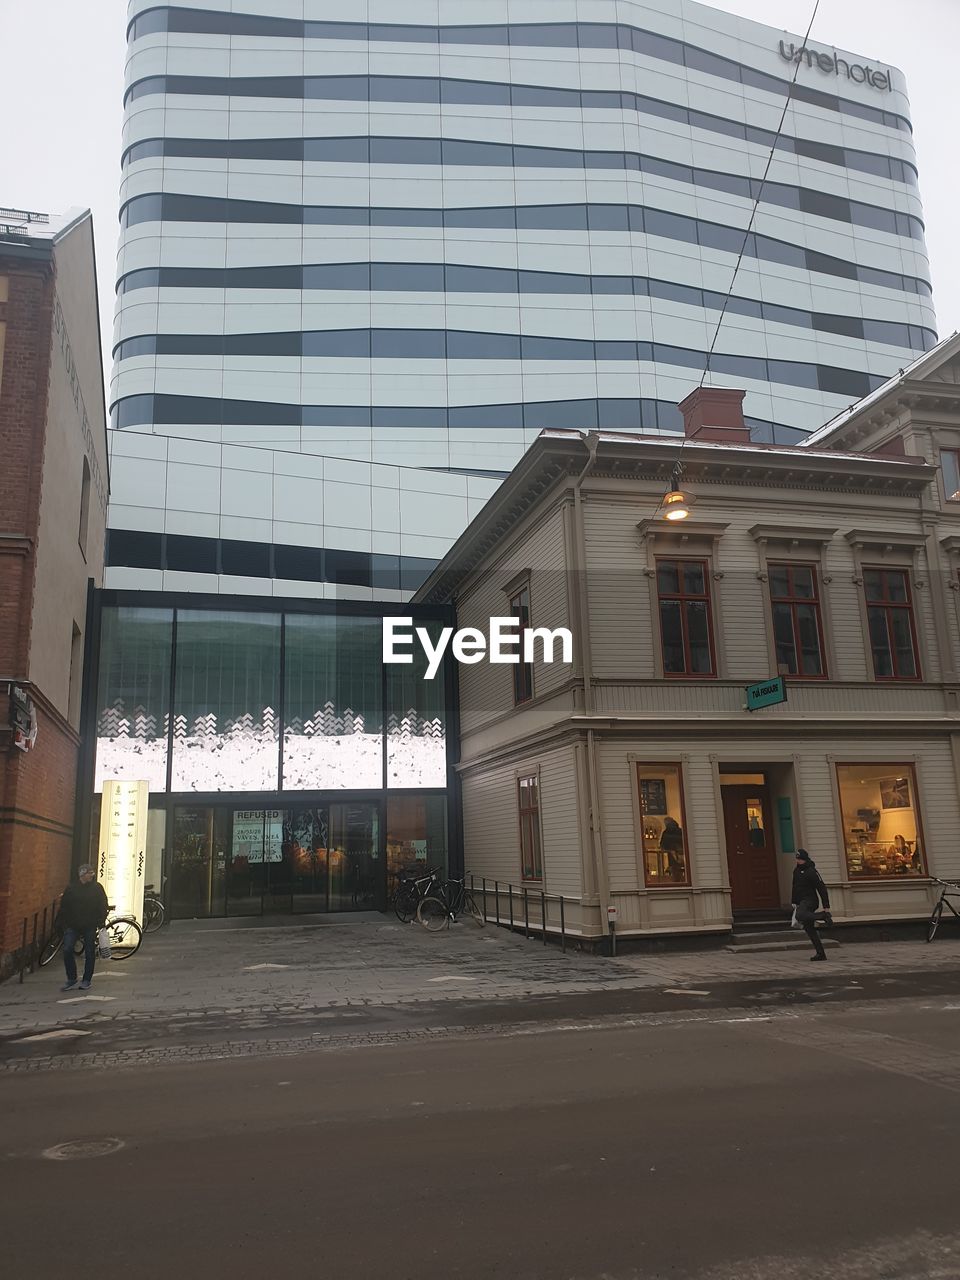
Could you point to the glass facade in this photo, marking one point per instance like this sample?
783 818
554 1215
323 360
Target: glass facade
227 713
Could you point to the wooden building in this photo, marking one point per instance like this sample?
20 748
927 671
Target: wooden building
634 781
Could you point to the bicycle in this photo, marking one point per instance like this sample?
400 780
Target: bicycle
446 903
124 933
949 886
154 912
411 888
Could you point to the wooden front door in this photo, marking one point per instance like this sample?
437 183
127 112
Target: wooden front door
751 849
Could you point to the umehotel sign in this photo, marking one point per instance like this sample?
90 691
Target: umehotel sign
832 65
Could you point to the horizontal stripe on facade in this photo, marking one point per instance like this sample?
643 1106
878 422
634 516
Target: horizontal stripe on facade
443 278
583 35
456 151
465 344
638 219
500 93
642 414
183 553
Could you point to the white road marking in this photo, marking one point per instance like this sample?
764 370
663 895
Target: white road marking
454 977
62 1034
78 999
253 968
683 991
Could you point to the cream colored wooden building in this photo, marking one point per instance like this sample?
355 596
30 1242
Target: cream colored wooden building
835 564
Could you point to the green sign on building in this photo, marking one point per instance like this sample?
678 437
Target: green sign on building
765 694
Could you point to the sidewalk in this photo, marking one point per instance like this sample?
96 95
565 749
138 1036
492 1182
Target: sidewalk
259 971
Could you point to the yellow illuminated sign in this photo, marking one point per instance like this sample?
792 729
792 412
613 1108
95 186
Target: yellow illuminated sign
123 845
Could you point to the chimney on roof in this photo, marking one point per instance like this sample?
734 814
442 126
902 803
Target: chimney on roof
715 413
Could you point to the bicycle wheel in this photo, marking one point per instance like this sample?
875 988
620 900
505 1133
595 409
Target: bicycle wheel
934 920
125 938
405 905
432 913
471 910
153 913
50 948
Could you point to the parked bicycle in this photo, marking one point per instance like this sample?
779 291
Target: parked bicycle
154 912
411 887
123 931
447 902
950 889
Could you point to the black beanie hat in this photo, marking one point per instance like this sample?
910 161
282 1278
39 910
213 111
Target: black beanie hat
803 855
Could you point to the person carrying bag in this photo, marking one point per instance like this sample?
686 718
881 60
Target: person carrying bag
82 914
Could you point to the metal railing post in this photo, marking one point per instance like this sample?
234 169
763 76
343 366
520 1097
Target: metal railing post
563 928
496 898
543 915
483 890
526 914
23 947
510 903
33 941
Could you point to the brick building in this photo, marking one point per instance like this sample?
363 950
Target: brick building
53 499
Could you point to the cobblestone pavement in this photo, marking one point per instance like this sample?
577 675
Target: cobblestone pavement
340 967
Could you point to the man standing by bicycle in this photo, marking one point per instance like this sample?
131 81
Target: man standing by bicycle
83 910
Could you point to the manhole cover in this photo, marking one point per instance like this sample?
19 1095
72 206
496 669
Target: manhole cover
83 1150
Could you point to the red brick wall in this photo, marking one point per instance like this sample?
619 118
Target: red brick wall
36 787
36 828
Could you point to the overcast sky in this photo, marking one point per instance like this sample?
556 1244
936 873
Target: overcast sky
62 82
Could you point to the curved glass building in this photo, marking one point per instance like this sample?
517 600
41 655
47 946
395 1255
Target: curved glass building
364 261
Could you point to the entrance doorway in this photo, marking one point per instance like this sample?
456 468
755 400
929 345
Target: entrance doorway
236 862
751 847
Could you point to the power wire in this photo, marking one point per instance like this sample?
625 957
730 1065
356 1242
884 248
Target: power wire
678 464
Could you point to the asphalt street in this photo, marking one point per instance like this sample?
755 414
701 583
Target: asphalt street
721 1145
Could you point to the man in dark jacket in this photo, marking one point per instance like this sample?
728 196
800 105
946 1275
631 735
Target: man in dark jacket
83 910
808 892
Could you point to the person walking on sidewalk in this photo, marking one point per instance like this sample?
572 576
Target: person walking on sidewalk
83 910
808 892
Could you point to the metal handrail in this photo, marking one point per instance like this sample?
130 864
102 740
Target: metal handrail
526 895
28 953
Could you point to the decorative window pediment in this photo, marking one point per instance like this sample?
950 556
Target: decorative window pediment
796 535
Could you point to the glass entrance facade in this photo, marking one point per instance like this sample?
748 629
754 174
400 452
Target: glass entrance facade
289 769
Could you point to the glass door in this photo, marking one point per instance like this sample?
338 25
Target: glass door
198 863
253 881
305 837
354 864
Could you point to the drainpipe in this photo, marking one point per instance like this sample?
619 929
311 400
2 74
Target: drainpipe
592 442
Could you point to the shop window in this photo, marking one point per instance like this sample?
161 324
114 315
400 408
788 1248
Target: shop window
133 696
531 845
416 720
523 671
881 821
333 703
225 727
416 836
950 468
893 637
797 624
686 626
663 826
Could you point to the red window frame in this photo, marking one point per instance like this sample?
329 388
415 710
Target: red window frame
685 597
531 837
792 600
888 606
523 671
